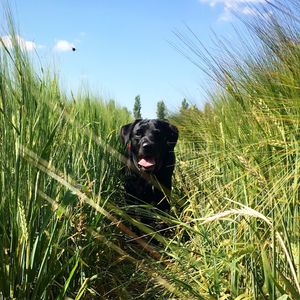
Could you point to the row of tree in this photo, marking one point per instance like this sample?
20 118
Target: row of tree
161 111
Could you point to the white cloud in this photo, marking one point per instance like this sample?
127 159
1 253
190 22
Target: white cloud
244 7
63 46
247 10
24 44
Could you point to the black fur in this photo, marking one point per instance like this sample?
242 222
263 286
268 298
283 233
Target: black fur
149 150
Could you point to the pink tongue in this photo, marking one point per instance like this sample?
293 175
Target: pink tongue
146 162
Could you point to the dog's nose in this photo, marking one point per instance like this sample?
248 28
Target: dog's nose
147 146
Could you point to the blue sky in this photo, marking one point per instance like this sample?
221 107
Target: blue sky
123 47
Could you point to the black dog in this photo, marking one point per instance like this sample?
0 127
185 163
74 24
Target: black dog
150 161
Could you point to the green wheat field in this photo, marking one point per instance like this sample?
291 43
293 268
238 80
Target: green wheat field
235 220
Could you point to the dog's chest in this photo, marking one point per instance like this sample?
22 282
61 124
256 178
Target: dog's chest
142 189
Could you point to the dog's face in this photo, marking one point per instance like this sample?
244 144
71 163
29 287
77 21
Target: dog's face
149 142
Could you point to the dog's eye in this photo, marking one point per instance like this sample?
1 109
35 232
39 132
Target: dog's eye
138 133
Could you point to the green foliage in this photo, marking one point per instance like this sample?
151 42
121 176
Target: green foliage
53 152
161 112
184 106
137 107
238 167
235 219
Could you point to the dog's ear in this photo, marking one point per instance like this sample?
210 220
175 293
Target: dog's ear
172 135
126 130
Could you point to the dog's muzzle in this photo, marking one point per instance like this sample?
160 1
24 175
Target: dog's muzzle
146 159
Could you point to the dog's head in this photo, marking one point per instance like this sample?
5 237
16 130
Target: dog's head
149 142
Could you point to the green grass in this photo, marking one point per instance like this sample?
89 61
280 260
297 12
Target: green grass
236 218
239 168
53 151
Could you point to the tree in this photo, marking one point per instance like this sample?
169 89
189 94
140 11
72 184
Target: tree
184 105
137 107
161 111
